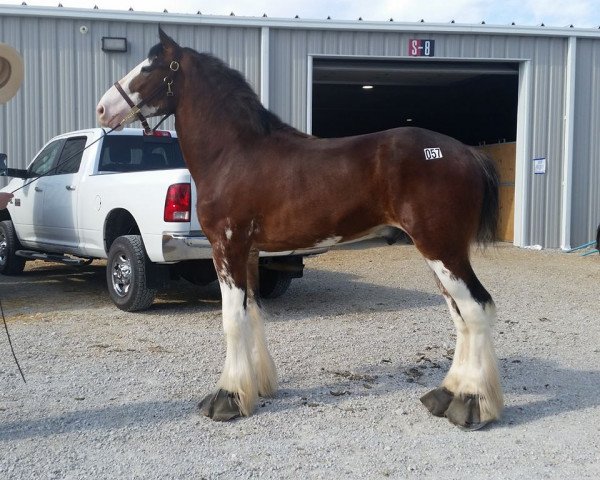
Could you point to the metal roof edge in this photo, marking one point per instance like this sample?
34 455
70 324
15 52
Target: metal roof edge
258 22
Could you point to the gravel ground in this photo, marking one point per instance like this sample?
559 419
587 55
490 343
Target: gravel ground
357 341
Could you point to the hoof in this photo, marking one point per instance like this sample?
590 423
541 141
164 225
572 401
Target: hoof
220 406
464 412
437 401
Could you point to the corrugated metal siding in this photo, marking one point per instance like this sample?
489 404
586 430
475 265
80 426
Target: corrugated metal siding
67 72
586 155
289 73
548 108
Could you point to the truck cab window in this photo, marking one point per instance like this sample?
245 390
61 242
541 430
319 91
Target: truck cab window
59 157
70 157
44 162
121 153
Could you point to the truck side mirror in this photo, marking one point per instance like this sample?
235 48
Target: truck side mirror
3 166
11 172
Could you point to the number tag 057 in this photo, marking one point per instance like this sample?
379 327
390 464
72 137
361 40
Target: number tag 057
433 153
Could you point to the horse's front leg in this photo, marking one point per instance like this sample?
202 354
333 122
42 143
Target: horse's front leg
237 388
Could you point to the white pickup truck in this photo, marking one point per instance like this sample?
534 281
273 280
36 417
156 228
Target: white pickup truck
127 198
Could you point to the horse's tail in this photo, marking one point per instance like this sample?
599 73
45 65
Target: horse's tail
490 207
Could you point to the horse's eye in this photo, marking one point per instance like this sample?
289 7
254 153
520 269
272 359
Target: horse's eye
150 67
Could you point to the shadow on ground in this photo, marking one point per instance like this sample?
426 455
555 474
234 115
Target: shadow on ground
58 287
559 391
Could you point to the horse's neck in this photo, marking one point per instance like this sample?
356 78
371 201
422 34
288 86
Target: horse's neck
211 136
210 149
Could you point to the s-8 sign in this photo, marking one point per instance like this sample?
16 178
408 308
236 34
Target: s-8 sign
420 48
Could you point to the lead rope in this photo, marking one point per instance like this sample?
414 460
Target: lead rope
10 343
133 112
104 133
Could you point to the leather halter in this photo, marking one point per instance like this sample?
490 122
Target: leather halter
136 110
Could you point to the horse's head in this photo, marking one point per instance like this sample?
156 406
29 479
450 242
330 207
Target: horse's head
149 87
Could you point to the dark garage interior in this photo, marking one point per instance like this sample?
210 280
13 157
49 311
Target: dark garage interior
475 102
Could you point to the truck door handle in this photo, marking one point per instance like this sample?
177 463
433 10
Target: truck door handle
38 189
70 187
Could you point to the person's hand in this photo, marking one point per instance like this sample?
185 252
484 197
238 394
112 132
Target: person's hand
4 199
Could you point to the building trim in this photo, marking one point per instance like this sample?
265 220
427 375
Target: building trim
309 94
264 66
259 22
523 153
569 132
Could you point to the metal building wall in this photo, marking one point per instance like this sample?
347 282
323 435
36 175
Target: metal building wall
547 55
66 72
586 159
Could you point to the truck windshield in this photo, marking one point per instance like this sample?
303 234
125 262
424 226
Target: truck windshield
121 153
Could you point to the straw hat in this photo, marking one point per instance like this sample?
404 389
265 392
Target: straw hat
11 72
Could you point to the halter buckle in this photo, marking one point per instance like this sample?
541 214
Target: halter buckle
174 66
169 82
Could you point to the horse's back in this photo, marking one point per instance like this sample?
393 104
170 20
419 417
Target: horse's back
415 179
404 147
428 182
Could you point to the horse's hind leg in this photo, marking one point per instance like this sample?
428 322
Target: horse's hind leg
438 400
470 395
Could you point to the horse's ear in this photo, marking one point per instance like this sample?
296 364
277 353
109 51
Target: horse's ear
167 42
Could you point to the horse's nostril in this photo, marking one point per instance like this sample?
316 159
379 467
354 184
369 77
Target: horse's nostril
100 110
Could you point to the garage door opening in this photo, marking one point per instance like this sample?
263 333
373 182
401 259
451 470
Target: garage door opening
475 102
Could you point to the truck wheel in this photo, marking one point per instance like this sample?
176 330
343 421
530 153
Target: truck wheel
126 274
273 283
10 264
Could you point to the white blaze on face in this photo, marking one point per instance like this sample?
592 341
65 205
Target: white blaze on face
113 108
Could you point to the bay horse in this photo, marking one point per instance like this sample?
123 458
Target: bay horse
263 185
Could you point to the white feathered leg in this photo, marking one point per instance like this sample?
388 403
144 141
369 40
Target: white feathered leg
473 379
238 374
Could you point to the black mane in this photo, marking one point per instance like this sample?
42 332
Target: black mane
232 96
227 94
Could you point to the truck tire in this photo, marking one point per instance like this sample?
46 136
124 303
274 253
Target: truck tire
273 283
126 274
10 264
